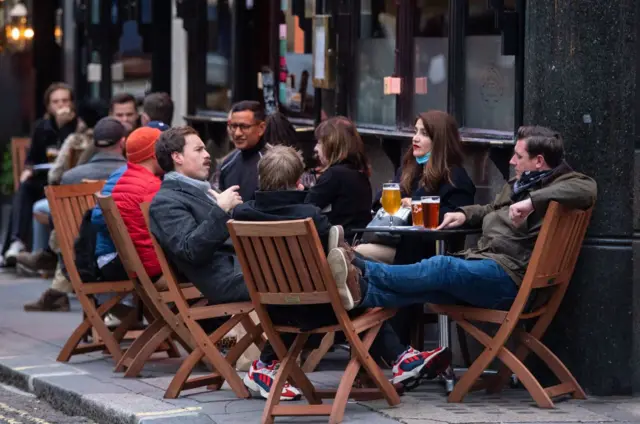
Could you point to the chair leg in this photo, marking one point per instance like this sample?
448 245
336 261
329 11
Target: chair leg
183 373
533 386
561 372
286 367
138 344
76 337
317 354
147 350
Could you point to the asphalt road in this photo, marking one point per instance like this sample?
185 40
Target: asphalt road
18 407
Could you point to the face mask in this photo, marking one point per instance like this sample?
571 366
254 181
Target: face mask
423 159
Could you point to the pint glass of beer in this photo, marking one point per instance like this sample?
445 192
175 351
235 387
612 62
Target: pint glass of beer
416 213
391 200
431 211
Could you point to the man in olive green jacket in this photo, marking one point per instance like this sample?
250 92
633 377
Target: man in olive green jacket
488 275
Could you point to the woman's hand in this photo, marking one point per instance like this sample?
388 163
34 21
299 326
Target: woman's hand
406 202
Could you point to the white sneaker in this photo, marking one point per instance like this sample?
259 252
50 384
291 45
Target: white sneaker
260 380
111 321
11 255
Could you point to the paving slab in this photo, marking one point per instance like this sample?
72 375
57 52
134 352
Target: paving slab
87 385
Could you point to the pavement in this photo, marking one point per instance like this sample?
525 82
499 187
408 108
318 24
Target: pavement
87 386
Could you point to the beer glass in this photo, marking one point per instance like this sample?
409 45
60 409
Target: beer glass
431 211
416 213
391 200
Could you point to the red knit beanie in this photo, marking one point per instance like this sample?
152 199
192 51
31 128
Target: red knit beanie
141 144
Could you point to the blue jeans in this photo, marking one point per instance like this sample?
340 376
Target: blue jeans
440 280
40 232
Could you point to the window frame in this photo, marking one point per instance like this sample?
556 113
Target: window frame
404 67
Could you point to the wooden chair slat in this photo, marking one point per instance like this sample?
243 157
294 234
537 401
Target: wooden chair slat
270 264
283 253
299 298
257 274
301 266
312 264
19 148
261 274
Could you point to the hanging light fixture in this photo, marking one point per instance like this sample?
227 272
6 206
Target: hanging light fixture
18 33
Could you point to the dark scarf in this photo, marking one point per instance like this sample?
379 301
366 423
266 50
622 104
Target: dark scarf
531 179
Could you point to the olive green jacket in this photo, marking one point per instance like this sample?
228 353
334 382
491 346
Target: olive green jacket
511 246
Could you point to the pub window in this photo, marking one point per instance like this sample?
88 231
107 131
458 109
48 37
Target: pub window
489 94
295 87
431 45
375 60
218 74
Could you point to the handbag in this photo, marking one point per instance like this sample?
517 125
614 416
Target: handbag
381 219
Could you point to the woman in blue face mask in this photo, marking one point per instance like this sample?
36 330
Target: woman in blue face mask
432 166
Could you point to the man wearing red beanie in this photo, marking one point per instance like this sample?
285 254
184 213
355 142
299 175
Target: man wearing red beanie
129 187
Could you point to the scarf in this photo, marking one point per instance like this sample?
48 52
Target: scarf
530 179
203 186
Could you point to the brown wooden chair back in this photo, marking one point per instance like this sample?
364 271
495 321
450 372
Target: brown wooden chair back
539 297
283 263
19 148
286 262
206 343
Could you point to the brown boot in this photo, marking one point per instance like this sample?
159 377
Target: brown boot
42 261
50 301
347 277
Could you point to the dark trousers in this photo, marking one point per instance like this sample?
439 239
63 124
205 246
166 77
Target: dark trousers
29 192
386 345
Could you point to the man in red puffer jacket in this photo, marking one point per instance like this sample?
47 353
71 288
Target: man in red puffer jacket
139 182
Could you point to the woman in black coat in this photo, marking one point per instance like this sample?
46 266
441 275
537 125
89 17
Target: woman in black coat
431 167
343 191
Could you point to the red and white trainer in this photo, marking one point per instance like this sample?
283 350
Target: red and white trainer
260 380
414 366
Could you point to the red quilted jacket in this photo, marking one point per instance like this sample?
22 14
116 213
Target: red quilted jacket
134 186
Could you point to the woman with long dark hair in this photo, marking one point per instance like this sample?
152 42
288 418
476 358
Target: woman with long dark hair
432 166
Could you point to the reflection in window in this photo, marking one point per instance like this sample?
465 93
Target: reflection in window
489 76
431 55
218 81
376 60
295 89
131 69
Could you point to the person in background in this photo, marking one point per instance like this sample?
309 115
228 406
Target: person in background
281 131
157 111
431 167
59 122
122 108
343 191
246 128
108 138
42 260
129 186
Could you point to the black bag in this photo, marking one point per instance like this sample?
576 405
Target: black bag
85 248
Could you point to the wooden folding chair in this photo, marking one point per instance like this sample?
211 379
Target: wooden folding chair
164 323
68 204
284 264
205 345
545 283
19 148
